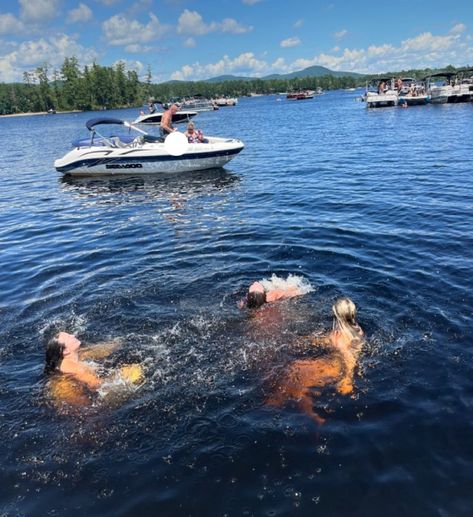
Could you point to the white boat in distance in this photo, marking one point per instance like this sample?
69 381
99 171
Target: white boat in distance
456 87
385 94
101 155
412 92
154 116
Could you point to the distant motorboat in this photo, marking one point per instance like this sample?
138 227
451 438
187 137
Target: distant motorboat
155 114
380 93
222 102
456 87
412 92
142 153
301 95
180 117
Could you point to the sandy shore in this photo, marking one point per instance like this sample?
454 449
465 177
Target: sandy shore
38 113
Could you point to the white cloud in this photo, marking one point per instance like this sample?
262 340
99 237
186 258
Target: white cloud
458 28
340 34
136 48
424 50
39 11
109 2
191 23
298 24
31 54
83 13
246 64
119 30
189 43
232 26
9 24
290 42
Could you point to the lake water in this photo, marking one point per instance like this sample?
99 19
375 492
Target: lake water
374 205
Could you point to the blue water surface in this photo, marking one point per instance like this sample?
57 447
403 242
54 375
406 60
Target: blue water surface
374 205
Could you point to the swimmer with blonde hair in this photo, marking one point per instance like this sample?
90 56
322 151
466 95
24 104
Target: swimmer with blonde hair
337 368
63 356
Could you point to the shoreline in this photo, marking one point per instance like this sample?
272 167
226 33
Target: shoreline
31 114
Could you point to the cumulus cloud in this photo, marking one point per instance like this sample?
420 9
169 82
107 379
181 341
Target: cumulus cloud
245 63
340 34
31 54
290 42
9 24
189 43
424 50
458 28
136 48
191 23
119 30
38 11
83 13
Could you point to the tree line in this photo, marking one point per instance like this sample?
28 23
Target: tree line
99 87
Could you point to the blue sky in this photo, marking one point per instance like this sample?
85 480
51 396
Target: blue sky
193 40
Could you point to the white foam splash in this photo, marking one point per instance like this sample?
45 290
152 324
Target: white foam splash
276 282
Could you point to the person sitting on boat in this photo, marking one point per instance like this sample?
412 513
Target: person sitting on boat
258 295
194 136
399 84
152 107
63 356
381 88
166 127
335 368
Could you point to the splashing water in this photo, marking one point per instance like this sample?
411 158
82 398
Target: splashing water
276 282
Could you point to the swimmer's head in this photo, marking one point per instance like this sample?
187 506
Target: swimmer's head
60 345
256 295
345 310
54 355
255 299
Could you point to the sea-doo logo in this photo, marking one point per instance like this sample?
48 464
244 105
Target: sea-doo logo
124 166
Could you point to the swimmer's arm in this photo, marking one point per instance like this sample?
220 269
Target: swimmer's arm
345 385
281 294
321 340
100 350
83 374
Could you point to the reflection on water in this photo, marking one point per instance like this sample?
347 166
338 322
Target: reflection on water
123 189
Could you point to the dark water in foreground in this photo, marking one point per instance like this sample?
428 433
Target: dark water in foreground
376 205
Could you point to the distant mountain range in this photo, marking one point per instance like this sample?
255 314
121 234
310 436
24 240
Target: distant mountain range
311 71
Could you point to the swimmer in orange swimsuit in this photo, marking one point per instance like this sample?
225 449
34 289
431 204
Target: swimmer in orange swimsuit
63 355
337 369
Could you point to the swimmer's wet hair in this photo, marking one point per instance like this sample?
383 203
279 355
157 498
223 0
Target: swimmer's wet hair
255 299
54 355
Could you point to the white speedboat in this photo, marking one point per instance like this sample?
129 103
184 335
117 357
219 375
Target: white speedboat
385 94
412 92
155 118
450 87
100 155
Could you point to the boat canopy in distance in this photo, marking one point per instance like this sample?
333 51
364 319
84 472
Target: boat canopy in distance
90 124
448 75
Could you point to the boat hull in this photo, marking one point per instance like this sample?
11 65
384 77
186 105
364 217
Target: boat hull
150 159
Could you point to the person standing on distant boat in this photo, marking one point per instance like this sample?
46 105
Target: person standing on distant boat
166 127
